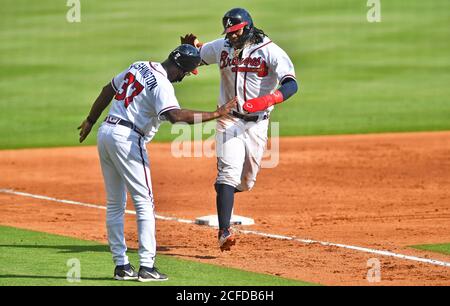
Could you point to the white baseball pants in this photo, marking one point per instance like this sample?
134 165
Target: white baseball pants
125 166
240 148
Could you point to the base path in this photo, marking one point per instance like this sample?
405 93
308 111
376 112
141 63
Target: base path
380 192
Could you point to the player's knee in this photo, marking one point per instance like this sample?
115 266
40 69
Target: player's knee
115 210
114 217
144 209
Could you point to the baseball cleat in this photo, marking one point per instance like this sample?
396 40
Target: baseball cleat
151 275
125 272
226 240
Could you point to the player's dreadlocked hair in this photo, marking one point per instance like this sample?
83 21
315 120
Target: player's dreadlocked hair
257 36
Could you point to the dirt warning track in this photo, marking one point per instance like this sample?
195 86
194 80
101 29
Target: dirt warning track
380 192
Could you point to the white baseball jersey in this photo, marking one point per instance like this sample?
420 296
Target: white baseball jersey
258 72
143 93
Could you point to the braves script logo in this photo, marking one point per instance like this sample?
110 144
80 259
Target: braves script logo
248 64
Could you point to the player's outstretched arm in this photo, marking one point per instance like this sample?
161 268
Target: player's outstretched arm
191 117
97 108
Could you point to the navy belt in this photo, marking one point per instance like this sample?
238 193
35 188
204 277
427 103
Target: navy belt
128 124
249 118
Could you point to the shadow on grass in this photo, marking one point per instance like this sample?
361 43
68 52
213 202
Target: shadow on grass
68 249
61 248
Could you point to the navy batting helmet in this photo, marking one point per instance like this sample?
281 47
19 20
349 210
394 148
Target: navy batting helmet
236 19
186 57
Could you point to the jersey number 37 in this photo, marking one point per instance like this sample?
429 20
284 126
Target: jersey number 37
135 89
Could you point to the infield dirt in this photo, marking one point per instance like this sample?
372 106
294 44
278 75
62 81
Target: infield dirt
385 191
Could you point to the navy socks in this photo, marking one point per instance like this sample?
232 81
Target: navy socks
224 202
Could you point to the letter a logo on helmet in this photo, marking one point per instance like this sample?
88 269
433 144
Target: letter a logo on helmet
236 19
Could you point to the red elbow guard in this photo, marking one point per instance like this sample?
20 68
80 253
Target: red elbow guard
264 102
277 97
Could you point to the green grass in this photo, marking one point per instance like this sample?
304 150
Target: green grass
438 248
355 76
33 258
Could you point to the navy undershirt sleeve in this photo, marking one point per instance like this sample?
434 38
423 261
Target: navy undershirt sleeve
288 88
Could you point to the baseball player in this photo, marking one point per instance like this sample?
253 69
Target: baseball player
260 74
143 97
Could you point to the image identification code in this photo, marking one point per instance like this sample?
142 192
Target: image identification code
232 295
